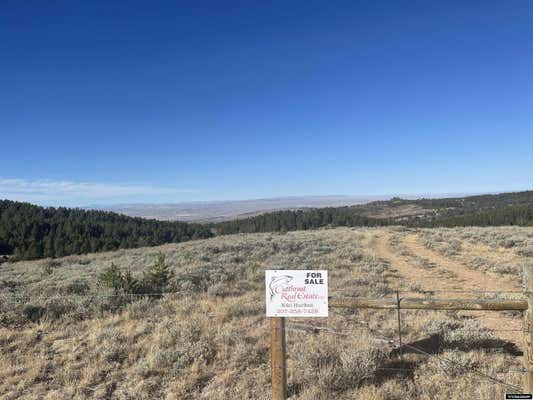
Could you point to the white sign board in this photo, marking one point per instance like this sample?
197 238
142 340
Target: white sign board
296 293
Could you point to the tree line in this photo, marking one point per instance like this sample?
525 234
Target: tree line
288 220
28 231
519 215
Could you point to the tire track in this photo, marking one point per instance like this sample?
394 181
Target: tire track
448 274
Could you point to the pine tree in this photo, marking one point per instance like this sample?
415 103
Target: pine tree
111 278
158 276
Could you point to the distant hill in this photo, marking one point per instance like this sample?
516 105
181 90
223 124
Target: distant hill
480 210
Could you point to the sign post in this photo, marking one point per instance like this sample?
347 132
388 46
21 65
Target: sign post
278 365
291 293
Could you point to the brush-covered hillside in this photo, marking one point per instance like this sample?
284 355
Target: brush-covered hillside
186 320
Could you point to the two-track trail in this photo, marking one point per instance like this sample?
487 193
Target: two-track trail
446 274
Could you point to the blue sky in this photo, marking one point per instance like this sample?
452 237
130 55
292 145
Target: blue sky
165 101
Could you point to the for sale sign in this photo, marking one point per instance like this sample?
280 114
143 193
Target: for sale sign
296 293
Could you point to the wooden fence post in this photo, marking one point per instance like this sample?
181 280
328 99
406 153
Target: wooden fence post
528 329
277 358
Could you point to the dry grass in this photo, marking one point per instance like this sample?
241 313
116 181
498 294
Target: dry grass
65 340
503 250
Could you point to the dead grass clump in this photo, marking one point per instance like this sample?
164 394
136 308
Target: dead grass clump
112 344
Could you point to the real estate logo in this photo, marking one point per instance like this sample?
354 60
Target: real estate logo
277 284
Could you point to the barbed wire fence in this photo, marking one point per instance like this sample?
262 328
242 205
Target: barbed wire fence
384 337
304 327
398 346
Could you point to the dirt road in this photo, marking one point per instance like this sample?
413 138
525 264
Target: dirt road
447 274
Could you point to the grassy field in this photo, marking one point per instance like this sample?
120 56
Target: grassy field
64 336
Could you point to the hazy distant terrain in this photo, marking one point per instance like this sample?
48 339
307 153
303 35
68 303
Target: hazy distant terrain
216 211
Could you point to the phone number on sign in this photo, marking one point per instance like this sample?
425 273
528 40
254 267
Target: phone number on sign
297 311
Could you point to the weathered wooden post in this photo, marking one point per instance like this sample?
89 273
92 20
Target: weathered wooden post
278 358
528 329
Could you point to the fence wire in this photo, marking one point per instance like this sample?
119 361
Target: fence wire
381 336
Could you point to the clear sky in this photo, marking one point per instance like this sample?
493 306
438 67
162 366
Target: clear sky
166 101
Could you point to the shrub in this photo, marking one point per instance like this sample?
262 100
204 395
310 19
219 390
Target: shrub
48 267
509 269
76 286
57 307
220 290
526 251
206 276
453 362
460 334
140 309
33 312
178 346
336 368
507 243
